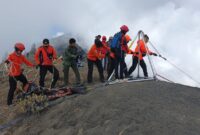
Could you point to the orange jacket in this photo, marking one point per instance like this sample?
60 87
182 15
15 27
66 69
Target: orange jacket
105 48
45 55
95 53
141 49
16 62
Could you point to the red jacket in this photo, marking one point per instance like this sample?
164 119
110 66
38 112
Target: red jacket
141 49
16 62
124 45
95 53
105 48
45 55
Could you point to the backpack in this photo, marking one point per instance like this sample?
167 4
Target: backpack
115 43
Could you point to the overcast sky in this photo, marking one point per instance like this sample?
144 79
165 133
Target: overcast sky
172 25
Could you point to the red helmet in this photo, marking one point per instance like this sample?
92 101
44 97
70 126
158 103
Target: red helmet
124 28
104 38
20 46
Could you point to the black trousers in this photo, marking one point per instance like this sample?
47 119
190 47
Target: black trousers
111 67
123 67
98 63
120 61
13 85
43 72
134 64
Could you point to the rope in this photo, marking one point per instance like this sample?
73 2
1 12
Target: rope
159 55
165 78
189 76
175 66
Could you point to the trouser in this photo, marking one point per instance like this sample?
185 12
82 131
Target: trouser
105 63
123 67
120 61
142 64
66 74
109 64
111 67
43 72
13 85
90 70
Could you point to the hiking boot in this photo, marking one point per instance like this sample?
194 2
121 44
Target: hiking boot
129 76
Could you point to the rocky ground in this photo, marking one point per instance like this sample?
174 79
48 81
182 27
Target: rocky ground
139 108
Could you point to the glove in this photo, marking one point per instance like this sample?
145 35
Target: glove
154 54
7 61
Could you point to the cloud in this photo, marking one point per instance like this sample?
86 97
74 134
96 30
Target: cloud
172 25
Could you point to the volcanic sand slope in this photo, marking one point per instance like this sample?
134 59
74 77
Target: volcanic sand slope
140 108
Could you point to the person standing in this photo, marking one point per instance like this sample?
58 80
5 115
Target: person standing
125 50
140 51
94 56
69 60
44 57
16 59
116 48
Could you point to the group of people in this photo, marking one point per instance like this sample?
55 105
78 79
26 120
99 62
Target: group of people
44 57
112 53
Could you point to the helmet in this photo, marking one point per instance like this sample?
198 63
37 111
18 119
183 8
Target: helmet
19 46
46 41
128 38
104 38
124 28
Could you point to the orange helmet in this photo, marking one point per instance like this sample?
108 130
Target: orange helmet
124 28
19 46
128 38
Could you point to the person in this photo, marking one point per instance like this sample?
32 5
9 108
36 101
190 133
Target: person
106 51
98 37
125 50
69 60
116 48
44 57
16 59
94 56
141 50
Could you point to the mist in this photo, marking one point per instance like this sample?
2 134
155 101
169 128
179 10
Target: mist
172 25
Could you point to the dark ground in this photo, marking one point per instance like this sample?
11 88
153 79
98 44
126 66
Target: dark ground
140 108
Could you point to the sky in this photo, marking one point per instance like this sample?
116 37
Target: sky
172 25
